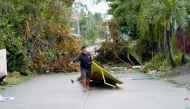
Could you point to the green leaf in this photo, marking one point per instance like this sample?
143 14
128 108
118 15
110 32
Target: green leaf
132 53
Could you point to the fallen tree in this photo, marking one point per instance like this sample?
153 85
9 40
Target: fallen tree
114 47
36 37
52 49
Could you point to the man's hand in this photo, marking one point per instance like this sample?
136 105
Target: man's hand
70 63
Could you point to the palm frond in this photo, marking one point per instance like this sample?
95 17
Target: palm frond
132 53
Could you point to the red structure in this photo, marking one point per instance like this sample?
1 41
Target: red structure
183 41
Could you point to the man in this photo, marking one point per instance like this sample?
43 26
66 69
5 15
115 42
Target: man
85 66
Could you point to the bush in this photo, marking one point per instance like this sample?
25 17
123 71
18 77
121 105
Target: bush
155 63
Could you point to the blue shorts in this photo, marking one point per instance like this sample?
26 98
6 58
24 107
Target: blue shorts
85 72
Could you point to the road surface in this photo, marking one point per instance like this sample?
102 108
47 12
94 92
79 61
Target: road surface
57 92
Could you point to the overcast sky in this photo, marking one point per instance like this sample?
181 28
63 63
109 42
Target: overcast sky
100 7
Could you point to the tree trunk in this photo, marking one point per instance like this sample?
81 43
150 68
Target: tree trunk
159 48
183 61
183 42
130 59
150 44
165 40
168 34
170 49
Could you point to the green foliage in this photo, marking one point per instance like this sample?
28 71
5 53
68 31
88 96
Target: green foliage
17 59
164 65
90 24
160 61
11 20
32 34
126 13
142 46
86 42
174 45
155 63
188 60
2 39
150 19
177 54
160 13
178 59
16 80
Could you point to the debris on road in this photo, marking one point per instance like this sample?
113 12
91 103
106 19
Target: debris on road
136 67
4 99
72 81
154 73
14 74
143 79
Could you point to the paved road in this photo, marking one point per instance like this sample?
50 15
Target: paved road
57 92
91 48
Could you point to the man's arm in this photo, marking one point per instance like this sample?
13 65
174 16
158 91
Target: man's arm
75 59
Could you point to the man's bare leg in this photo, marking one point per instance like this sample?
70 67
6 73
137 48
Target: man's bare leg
84 84
88 83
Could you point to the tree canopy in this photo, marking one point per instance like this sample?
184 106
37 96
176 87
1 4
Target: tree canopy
151 22
36 35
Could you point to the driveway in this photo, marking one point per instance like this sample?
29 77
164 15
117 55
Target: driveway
57 92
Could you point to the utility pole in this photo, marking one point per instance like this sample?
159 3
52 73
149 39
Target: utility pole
78 27
90 28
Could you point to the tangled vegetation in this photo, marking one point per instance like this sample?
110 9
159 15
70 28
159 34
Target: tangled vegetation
36 35
152 26
115 48
52 50
160 61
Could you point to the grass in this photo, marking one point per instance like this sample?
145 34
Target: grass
9 81
188 59
16 80
79 78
